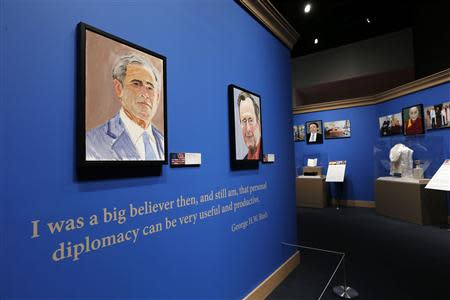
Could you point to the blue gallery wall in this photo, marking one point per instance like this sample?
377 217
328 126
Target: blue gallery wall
358 150
357 184
208 44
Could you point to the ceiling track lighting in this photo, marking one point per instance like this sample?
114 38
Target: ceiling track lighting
307 8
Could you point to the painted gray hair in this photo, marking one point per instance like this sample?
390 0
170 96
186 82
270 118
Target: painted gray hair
120 67
244 95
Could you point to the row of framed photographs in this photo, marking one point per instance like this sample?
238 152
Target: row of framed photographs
313 131
415 120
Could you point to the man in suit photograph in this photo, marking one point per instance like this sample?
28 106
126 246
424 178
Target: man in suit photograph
314 136
130 133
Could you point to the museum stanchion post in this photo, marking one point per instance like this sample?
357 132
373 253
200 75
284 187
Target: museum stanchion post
338 194
336 175
343 291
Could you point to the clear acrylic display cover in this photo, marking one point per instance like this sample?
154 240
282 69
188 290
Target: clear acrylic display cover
322 161
429 150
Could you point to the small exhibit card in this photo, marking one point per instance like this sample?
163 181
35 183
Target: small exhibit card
312 162
269 158
441 180
336 171
183 159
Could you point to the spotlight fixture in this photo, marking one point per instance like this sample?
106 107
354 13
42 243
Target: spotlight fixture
316 41
307 8
368 20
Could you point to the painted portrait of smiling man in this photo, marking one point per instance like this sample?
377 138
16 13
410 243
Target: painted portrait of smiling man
124 100
413 120
245 124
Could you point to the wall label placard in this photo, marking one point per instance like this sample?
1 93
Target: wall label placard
185 159
269 158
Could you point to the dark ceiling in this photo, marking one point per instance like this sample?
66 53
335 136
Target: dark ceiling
340 22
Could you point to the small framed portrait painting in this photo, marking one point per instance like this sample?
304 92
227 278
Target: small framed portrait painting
337 129
437 116
314 131
122 120
413 120
245 123
390 124
299 133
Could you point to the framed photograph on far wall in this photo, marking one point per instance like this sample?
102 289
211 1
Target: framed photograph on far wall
437 116
122 119
314 131
299 133
413 120
391 124
245 123
337 129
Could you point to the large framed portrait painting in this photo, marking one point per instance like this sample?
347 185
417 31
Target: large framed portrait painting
122 119
245 122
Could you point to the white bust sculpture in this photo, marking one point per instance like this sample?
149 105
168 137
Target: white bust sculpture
401 160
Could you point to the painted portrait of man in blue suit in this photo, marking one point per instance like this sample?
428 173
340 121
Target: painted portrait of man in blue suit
130 133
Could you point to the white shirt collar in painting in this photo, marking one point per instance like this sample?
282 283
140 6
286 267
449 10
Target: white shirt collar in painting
135 132
312 138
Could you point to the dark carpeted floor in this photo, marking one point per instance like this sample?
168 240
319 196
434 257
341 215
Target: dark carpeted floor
386 259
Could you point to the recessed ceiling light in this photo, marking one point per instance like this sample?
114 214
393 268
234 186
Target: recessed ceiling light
368 20
316 41
307 8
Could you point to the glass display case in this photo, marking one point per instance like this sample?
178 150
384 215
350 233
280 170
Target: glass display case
320 158
403 166
406 157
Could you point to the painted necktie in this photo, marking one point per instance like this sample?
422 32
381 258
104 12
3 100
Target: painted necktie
149 153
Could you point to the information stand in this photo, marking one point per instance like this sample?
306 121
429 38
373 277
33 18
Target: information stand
336 174
336 171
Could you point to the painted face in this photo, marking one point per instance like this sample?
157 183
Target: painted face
312 128
139 94
251 131
395 121
413 113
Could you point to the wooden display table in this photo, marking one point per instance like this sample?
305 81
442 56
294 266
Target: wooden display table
311 191
408 200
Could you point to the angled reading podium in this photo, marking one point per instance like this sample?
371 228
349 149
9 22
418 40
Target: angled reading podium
408 200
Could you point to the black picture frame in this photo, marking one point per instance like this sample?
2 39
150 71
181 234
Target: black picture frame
415 127
299 133
99 163
439 120
329 135
390 125
320 137
237 143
